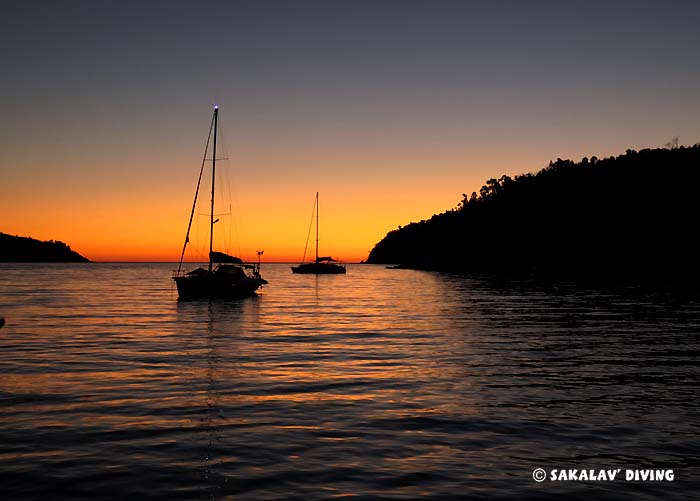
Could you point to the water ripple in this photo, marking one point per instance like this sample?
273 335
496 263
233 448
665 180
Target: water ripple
381 384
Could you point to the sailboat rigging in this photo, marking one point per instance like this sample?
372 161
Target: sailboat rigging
321 265
230 278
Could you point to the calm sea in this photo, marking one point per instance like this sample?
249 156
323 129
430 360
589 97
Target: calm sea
377 384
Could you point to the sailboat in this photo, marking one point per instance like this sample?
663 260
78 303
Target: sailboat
226 276
321 265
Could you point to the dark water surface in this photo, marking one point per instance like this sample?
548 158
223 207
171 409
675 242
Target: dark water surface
378 384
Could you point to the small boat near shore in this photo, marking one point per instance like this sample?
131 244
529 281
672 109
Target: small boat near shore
321 265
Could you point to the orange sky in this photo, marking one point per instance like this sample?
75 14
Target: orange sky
114 203
113 210
123 219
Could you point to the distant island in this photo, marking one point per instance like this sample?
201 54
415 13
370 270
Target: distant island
16 249
632 216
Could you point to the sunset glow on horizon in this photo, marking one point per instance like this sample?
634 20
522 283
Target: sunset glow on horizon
391 110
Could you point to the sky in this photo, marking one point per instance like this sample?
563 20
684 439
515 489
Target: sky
390 109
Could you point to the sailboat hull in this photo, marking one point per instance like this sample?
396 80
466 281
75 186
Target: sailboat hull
213 286
319 269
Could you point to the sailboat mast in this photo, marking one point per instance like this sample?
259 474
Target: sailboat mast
317 226
213 176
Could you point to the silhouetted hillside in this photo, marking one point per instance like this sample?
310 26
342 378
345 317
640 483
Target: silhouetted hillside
634 215
28 250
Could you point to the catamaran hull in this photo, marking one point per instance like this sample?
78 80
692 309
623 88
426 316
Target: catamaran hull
212 287
319 269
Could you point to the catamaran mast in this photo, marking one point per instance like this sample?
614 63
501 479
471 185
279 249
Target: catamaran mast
213 176
317 226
